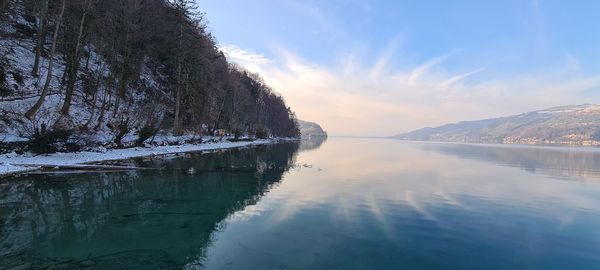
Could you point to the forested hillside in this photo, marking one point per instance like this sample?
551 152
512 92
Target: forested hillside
311 129
107 69
565 125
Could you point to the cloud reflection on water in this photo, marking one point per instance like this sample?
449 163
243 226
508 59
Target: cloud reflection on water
455 188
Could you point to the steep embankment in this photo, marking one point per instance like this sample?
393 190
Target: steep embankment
100 72
569 125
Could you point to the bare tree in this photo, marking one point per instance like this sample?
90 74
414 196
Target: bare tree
31 112
183 8
74 63
154 62
41 36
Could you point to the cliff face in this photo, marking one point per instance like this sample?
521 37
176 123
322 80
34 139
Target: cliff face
310 129
569 125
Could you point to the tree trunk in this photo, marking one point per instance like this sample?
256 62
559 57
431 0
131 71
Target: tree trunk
31 112
232 112
177 124
102 111
119 94
94 100
177 120
72 73
41 36
93 112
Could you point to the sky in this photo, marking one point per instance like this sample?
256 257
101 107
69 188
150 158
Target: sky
379 68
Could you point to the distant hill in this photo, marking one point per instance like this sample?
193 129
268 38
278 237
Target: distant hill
569 125
310 129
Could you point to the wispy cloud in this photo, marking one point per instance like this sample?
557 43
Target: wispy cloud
347 100
418 72
247 58
445 84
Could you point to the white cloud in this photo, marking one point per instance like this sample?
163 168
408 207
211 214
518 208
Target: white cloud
418 72
247 58
445 84
355 99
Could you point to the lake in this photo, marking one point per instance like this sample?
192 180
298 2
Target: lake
343 203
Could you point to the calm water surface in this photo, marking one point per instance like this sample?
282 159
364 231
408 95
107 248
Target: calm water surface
341 204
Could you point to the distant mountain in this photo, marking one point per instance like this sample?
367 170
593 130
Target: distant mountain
310 129
572 125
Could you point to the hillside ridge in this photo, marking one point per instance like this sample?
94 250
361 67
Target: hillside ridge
561 125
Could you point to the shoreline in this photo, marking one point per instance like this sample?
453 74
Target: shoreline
12 164
558 147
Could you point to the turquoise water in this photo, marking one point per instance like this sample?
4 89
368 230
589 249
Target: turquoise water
341 204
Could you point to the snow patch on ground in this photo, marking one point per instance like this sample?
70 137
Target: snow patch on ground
13 163
6 168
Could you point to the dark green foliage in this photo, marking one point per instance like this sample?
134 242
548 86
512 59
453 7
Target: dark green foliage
46 142
25 31
145 133
4 90
237 134
18 77
261 133
241 140
2 75
72 147
7 147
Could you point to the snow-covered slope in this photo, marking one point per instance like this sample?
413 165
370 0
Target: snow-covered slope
573 125
118 74
19 90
